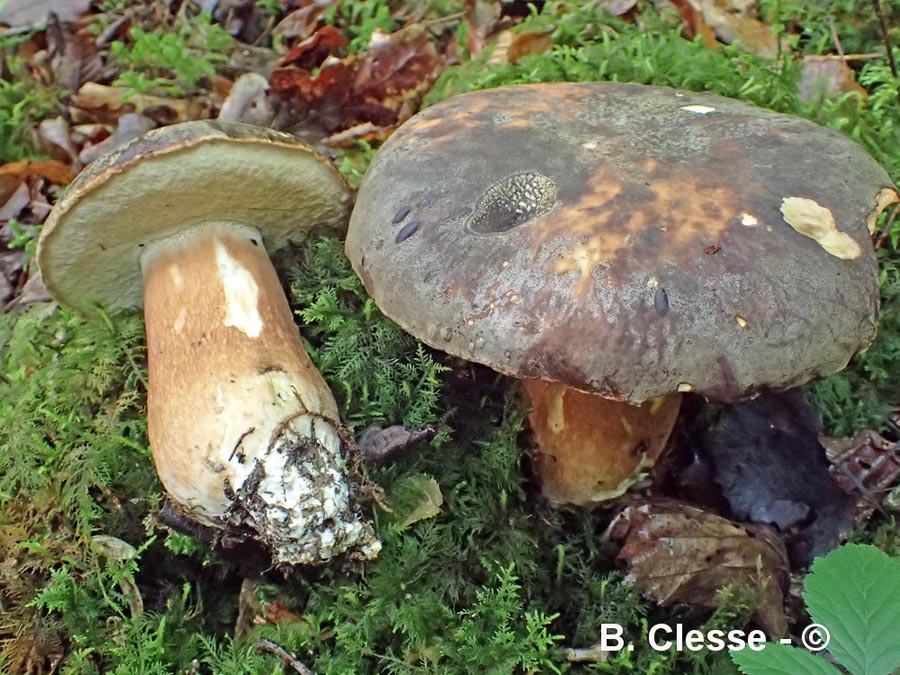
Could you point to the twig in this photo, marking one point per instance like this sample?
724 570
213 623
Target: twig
270 647
847 57
885 232
836 38
239 441
442 21
886 39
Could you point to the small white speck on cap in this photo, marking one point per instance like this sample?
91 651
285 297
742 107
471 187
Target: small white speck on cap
590 145
685 388
749 220
741 321
698 108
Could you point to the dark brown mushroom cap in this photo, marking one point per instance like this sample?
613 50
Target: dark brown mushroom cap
624 239
172 179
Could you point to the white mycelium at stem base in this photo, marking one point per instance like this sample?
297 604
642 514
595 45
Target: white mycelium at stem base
242 426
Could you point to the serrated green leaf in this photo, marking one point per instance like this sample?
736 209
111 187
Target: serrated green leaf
778 659
855 593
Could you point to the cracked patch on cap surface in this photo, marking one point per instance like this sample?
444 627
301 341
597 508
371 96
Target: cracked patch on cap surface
642 191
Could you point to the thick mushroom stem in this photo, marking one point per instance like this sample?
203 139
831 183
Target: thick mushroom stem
590 448
242 427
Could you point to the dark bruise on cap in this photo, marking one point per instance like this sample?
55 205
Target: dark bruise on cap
623 239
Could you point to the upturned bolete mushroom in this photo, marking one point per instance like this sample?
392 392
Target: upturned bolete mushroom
612 245
242 427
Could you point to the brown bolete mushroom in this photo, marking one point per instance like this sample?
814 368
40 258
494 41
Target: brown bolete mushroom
242 427
612 245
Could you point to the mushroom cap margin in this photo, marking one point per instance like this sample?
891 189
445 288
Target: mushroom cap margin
170 179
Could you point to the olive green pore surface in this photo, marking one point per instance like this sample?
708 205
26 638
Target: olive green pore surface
620 238
175 178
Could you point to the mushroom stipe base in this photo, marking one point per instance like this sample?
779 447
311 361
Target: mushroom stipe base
591 449
242 427
251 438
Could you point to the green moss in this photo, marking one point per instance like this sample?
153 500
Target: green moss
172 60
590 45
24 102
489 583
72 394
862 395
884 533
73 458
818 21
378 373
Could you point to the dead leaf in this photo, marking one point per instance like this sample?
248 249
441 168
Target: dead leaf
404 65
72 56
593 654
327 98
254 611
102 103
617 7
28 13
729 21
827 77
117 550
54 135
361 132
482 17
15 203
242 19
530 42
247 101
11 177
40 207
276 612
53 171
866 466
885 197
131 125
383 86
301 23
500 48
765 457
378 444
10 268
311 52
16 174
675 553
694 22
33 291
